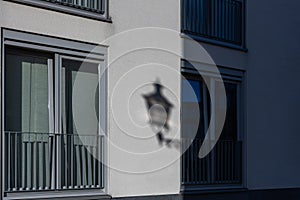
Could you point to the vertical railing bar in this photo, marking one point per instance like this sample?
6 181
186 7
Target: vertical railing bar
183 169
192 162
65 159
196 17
240 161
227 161
202 178
84 165
23 163
197 160
29 162
101 162
81 166
19 158
232 160
217 176
181 158
52 171
78 164
188 161
9 162
237 162
92 164
15 184
89 166
222 18
47 163
221 161
227 19
71 162
34 160
231 20
41 165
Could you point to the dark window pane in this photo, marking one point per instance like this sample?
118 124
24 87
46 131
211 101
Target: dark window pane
230 127
192 109
26 93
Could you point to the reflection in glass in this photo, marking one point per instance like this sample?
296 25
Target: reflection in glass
80 103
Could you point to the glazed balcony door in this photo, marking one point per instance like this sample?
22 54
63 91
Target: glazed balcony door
81 141
28 120
51 128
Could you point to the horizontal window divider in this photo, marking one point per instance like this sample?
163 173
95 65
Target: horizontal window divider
52 49
54 42
195 67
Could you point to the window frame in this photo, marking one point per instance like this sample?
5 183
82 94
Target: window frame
191 70
67 9
60 48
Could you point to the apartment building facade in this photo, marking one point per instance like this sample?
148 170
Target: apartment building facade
82 83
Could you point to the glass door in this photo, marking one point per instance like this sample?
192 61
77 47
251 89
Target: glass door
51 127
81 142
28 122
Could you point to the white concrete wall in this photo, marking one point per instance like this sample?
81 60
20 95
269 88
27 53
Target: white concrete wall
126 15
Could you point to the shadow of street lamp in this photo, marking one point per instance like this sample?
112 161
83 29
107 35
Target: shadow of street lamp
159 110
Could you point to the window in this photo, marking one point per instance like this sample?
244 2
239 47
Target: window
52 125
217 21
95 9
223 165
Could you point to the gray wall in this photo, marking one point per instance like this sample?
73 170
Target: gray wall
273 94
272 91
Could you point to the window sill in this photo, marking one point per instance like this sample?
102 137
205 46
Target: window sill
64 9
212 189
213 42
59 195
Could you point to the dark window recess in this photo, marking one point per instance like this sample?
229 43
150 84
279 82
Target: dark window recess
223 165
220 20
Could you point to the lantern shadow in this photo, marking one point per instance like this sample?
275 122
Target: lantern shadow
159 111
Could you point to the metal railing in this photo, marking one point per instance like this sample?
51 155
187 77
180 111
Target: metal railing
222 166
43 161
214 19
97 6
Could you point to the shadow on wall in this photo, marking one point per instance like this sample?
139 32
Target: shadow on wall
159 111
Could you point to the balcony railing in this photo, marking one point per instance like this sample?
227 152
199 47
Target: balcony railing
97 6
220 20
222 166
42 161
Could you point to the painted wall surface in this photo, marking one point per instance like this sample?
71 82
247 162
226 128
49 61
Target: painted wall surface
271 89
157 167
273 94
